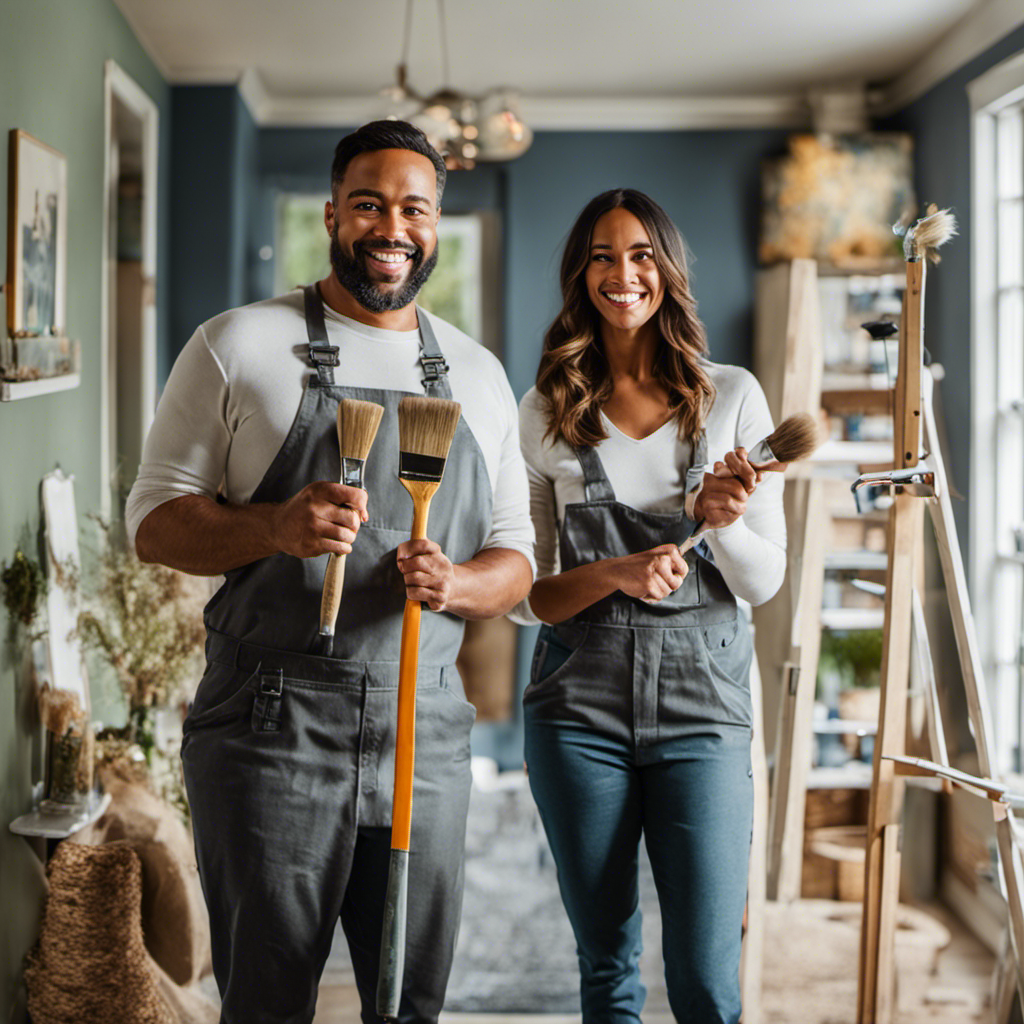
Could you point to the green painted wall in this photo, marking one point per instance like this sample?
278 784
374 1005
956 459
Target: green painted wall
52 54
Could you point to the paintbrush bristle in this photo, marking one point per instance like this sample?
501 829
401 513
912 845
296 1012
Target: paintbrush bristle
937 228
426 426
357 427
794 438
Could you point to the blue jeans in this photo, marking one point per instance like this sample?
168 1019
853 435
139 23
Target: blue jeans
692 798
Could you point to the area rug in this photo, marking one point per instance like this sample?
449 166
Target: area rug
516 952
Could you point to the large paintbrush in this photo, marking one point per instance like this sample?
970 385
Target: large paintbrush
426 427
793 439
357 427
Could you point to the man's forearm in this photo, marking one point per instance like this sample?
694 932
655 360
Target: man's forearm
490 584
197 535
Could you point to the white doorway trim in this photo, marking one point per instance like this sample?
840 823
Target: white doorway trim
118 84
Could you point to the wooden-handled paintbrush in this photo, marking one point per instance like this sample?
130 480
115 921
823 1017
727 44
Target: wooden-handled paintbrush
793 439
920 244
357 427
426 427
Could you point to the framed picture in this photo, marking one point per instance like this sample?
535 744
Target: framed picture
36 238
834 198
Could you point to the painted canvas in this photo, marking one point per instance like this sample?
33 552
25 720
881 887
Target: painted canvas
834 198
37 238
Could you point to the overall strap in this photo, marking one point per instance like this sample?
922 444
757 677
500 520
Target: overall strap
596 485
322 354
698 464
435 368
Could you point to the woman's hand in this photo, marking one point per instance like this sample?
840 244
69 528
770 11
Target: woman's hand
723 498
650 575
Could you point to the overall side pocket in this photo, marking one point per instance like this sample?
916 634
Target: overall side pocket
223 694
555 648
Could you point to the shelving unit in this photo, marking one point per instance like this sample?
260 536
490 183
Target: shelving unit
811 356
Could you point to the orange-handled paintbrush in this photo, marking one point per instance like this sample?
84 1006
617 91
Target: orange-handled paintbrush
357 427
426 427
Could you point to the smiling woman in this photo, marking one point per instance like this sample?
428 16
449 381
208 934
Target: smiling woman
638 713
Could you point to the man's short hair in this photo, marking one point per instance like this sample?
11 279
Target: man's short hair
384 135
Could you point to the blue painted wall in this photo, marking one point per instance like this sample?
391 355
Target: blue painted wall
940 122
213 147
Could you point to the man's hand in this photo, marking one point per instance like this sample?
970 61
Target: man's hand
322 517
429 575
723 497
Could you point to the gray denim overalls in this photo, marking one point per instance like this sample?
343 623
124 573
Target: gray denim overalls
289 757
638 723
636 671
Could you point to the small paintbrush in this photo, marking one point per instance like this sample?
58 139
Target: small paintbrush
793 439
426 428
357 427
922 240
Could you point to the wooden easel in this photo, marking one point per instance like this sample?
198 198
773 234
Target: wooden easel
912 480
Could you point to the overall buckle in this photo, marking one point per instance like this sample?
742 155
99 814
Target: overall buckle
324 356
272 683
434 367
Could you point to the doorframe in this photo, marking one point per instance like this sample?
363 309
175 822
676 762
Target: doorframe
117 83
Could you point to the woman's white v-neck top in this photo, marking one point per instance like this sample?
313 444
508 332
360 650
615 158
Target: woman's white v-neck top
650 473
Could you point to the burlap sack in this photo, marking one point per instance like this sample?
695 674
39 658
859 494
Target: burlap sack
175 925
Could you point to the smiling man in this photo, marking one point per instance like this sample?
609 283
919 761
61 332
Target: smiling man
288 754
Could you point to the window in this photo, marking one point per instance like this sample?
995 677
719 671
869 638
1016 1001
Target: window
454 291
997 470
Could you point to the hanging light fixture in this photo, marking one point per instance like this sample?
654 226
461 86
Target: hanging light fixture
464 129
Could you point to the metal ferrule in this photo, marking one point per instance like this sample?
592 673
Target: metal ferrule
910 254
413 466
761 453
352 472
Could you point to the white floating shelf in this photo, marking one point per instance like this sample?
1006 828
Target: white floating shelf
60 825
853 452
852 775
862 560
853 618
845 726
12 390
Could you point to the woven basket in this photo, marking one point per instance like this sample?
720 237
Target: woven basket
90 965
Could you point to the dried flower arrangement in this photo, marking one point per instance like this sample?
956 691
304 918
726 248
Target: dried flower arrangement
145 620
24 587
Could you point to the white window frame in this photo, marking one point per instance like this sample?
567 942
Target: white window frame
995 578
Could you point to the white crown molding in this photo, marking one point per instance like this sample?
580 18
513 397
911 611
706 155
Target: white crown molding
998 87
971 36
664 113
546 113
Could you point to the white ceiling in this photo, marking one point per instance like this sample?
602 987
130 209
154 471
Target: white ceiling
322 51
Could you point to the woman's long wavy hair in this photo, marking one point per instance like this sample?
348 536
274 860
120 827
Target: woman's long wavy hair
574 376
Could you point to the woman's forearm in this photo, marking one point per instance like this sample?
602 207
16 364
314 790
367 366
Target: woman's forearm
560 597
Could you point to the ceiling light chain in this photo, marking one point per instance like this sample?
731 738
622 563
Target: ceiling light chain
463 128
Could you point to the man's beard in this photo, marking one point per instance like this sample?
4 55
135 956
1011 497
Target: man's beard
353 276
